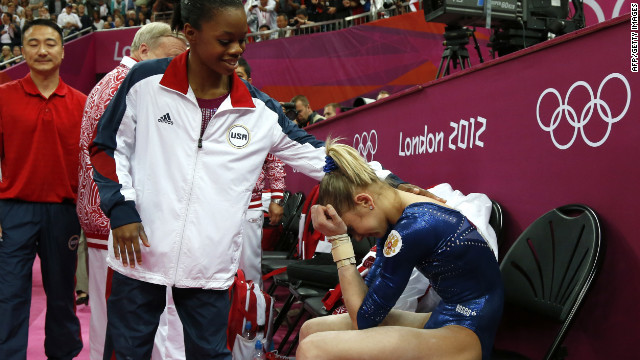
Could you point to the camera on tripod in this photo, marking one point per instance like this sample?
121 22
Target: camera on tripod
516 24
289 110
457 35
455 52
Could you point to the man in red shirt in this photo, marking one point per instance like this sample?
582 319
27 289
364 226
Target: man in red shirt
39 134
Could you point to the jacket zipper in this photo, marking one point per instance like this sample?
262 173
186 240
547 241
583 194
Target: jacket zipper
184 225
205 129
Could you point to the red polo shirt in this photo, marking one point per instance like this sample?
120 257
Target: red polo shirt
39 142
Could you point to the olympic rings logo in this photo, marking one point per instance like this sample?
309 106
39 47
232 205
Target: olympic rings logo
366 144
572 117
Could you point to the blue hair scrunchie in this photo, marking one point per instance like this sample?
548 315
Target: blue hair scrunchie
329 165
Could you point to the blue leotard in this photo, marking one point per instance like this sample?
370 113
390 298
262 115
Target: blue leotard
444 246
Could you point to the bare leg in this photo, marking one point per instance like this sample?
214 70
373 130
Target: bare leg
325 323
343 322
392 342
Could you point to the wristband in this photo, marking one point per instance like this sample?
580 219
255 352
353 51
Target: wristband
346 262
342 251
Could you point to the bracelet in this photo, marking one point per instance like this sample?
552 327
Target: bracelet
346 262
278 201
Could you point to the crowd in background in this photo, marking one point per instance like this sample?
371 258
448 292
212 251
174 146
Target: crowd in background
299 109
276 19
318 10
73 16
273 19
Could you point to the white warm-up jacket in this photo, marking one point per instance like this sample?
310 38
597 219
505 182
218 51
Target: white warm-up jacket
190 192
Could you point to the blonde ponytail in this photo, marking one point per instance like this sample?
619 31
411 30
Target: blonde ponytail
347 172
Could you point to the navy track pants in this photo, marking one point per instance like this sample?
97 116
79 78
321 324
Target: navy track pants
133 312
52 232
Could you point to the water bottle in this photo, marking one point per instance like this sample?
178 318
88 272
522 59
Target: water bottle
258 353
247 334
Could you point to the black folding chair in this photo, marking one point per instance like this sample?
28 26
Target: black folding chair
310 280
550 268
286 245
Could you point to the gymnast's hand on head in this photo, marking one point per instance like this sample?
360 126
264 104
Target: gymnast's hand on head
126 244
326 220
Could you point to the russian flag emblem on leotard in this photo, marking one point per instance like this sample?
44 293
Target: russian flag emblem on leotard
393 244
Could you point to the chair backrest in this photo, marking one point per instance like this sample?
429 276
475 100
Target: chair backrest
285 196
552 264
290 219
292 209
495 221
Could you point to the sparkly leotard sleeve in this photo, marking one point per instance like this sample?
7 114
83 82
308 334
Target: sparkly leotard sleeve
443 245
